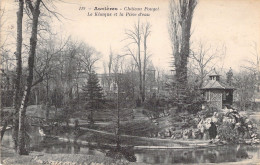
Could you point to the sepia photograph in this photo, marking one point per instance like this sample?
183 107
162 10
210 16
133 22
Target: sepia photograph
129 82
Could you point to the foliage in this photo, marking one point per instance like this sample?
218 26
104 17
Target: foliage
227 133
245 84
231 126
92 94
151 103
229 76
194 98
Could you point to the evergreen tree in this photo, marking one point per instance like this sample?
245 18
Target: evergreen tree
229 76
93 95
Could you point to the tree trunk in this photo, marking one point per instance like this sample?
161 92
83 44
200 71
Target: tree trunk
181 78
18 72
78 98
118 118
22 112
146 33
47 99
144 69
181 13
140 62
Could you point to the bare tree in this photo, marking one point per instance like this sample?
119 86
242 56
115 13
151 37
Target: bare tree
245 84
18 54
253 68
45 65
254 65
146 32
121 113
180 19
88 57
136 36
2 23
35 11
110 63
204 59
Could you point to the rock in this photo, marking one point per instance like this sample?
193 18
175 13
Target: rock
247 121
187 134
214 119
201 127
177 134
196 133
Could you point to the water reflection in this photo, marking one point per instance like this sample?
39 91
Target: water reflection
159 156
207 155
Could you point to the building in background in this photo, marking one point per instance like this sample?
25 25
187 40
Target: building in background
217 93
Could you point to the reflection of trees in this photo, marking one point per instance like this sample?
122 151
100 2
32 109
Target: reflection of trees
209 155
68 148
183 157
76 148
241 152
157 159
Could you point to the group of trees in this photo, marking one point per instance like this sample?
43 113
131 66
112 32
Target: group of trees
58 69
53 69
200 59
137 49
60 72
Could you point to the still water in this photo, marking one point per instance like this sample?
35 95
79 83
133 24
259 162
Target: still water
219 154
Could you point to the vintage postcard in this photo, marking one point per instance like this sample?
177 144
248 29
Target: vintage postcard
130 81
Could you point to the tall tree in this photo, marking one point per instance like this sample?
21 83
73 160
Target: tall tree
180 19
139 34
35 12
146 32
18 54
254 64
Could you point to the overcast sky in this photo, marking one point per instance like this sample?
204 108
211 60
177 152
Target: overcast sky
235 23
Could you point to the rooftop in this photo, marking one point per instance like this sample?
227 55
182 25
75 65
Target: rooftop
214 84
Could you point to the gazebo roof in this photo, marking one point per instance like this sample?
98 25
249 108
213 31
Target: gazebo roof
213 84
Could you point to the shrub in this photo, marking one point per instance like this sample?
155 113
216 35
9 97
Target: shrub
226 132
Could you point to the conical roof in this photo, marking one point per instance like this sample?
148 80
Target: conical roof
214 84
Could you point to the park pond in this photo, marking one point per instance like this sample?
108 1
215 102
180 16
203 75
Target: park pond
218 154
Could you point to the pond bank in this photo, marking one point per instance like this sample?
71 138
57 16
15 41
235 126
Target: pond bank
143 142
8 157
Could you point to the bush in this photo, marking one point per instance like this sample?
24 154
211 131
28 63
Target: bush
226 132
193 98
151 103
